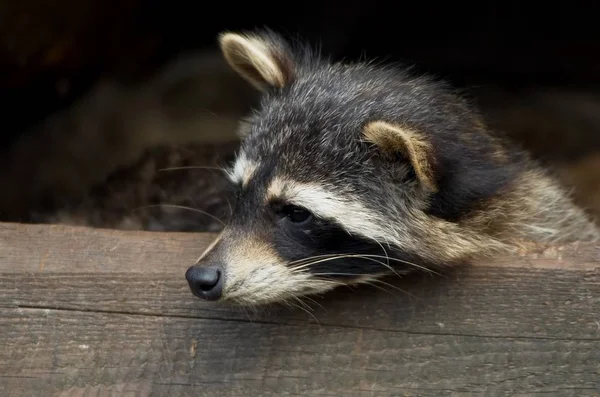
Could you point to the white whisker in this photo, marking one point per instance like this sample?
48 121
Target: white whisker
196 167
362 256
183 208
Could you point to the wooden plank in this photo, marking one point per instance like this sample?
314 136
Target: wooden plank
89 312
50 248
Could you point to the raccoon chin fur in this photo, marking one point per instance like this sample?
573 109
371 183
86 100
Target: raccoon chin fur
348 172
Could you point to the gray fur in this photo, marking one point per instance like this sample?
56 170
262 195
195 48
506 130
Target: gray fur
306 142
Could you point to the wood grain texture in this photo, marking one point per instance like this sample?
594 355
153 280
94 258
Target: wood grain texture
87 312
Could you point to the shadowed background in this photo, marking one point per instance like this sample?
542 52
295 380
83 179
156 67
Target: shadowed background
100 95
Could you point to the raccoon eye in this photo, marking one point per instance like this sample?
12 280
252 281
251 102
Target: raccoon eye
297 215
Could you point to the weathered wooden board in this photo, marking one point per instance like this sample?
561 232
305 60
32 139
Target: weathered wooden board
88 312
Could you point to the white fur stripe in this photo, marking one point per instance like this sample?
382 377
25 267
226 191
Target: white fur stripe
242 170
354 217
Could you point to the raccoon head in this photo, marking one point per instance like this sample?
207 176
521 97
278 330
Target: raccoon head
346 172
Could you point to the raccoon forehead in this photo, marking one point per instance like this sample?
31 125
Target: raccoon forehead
315 156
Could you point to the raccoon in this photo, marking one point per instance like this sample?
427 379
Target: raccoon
351 171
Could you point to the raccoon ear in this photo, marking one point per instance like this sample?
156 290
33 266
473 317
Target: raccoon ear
391 139
263 60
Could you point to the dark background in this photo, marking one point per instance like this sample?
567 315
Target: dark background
52 52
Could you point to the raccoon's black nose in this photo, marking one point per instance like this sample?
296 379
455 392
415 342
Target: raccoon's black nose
205 282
